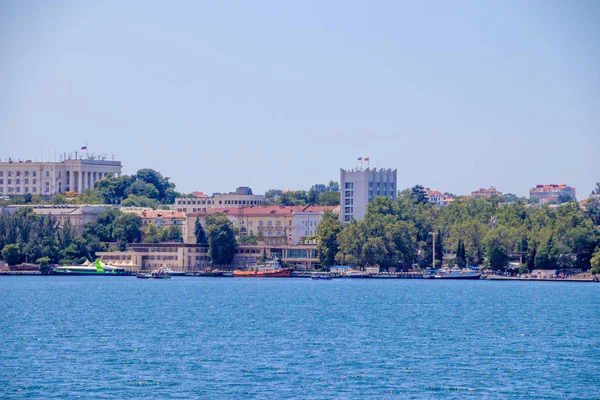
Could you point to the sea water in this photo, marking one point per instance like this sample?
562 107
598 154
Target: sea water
226 338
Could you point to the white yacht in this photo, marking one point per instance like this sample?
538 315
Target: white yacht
457 273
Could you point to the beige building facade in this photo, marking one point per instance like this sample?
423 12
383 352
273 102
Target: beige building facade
194 257
275 225
50 178
242 197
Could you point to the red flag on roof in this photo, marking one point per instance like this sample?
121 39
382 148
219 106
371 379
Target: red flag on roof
366 158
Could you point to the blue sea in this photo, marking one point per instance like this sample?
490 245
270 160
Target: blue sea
224 338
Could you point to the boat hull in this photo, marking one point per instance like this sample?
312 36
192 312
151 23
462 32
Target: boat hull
276 273
477 276
55 272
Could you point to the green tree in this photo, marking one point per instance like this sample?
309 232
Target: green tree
547 255
497 244
43 261
419 194
592 210
596 189
221 239
199 233
329 199
563 198
595 262
327 233
58 199
296 198
151 235
11 253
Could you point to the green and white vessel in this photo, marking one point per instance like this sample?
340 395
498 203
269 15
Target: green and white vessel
99 268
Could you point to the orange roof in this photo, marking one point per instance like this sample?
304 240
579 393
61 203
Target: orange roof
265 210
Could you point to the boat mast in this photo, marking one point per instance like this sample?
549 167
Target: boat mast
434 234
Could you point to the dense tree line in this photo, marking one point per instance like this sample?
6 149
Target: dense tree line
28 237
319 194
477 230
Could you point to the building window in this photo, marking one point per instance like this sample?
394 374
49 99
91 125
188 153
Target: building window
260 223
18 190
349 202
348 210
47 190
34 190
1 181
269 223
27 181
18 173
347 218
1 173
26 173
349 193
349 185
26 189
1 190
10 181
278 223
18 181
9 173
34 173
47 173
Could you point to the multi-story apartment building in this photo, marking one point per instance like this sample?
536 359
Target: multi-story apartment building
545 193
160 218
49 178
242 197
487 193
194 257
275 225
358 187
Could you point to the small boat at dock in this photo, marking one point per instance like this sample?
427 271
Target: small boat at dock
271 269
321 277
156 274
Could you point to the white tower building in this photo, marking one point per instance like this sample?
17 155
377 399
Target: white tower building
358 187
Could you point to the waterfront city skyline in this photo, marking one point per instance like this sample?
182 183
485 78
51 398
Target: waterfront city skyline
282 96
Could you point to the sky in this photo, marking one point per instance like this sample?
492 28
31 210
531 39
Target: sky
456 95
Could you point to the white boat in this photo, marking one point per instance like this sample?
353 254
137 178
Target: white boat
457 273
172 272
325 277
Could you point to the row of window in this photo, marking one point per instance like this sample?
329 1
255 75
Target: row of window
18 173
301 253
25 190
24 173
221 202
17 181
385 185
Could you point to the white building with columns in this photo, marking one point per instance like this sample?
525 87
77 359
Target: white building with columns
49 178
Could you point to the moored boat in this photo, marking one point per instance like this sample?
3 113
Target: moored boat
156 274
271 269
274 273
457 273
98 268
324 277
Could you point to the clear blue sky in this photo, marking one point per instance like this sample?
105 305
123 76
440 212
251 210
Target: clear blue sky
456 95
